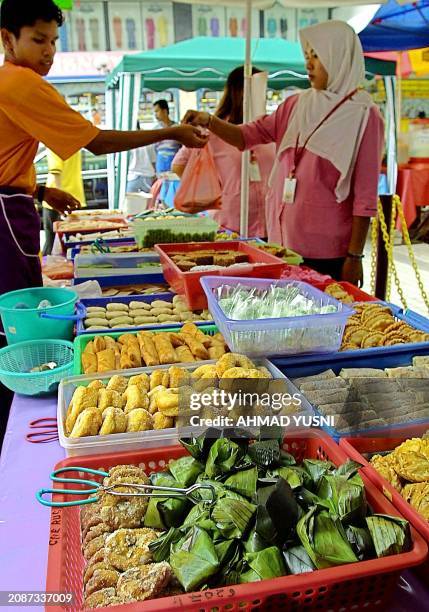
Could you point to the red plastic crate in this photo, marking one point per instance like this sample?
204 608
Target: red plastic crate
358 294
354 447
364 585
188 283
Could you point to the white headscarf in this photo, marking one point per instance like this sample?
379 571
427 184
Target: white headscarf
339 138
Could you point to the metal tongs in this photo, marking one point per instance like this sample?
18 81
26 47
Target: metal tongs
143 490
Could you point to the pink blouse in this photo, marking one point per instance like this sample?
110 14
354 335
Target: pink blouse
228 163
316 225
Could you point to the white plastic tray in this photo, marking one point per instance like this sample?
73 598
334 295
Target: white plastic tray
91 445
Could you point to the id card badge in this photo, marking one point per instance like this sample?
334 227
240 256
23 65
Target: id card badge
289 190
254 172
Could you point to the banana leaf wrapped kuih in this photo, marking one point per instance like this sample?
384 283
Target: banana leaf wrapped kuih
270 517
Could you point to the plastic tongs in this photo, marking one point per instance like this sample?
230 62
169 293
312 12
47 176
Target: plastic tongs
100 246
142 490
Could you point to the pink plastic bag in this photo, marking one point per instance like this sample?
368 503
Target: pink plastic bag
200 188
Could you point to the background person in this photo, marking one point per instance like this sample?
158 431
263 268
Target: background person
329 142
65 175
166 149
228 163
141 171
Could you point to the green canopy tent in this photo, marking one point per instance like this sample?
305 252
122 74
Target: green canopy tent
198 63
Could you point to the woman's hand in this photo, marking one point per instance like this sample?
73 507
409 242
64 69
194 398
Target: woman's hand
194 117
190 136
61 201
352 271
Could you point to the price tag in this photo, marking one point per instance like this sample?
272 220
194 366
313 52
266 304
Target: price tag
289 189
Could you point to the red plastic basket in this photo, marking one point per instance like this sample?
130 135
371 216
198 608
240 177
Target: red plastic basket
188 283
355 292
363 585
354 447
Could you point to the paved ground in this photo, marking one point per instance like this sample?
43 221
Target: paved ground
406 275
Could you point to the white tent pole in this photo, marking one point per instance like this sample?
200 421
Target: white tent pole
244 204
110 117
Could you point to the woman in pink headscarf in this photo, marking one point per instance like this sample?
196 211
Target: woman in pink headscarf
329 141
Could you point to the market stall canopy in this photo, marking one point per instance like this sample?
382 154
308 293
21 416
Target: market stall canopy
205 62
411 63
261 4
397 26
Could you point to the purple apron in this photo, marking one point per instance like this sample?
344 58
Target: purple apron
19 242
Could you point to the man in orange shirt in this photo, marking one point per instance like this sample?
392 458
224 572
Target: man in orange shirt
32 111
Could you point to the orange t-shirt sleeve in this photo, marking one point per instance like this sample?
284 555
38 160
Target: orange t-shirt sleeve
40 110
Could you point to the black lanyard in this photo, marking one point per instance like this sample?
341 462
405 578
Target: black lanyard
299 151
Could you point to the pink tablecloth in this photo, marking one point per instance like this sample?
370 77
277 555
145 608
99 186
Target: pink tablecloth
413 189
24 524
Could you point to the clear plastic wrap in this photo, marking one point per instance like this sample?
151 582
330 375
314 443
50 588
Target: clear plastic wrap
243 303
266 317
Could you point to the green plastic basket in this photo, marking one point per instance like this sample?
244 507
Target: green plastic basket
16 361
80 342
33 323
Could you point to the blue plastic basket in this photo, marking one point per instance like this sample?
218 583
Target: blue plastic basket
317 333
83 304
18 359
116 281
334 364
376 357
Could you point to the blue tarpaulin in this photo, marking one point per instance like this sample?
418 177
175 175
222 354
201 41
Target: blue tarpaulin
397 27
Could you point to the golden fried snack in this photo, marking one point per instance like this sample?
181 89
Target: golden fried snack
118 472
100 599
99 344
124 361
88 423
176 339
125 338
197 349
135 397
96 384
216 350
184 354
109 397
110 342
89 348
232 360
385 467
178 376
117 383
134 354
94 532
92 568
127 548
244 373
95 545
205 371
139 420
101 579
418 496
162 421
89 363
167 402
83 397
193 330
114 421
159 378
164 348
105 360
119 510
152 398
144 582
140 380
148 349
373 338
